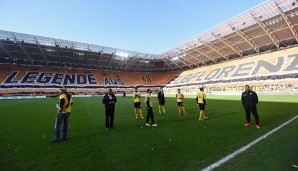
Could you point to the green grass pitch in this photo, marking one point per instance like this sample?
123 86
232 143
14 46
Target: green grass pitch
178 143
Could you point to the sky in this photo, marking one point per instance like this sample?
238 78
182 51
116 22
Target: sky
152 26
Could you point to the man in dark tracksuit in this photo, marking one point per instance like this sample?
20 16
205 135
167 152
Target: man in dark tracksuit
109 101
161 101
149 106
250 100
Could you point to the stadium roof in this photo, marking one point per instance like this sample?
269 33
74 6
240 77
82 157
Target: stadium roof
268 26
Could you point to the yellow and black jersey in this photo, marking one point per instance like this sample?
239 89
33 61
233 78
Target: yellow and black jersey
201 97
136 97
65 102
148 101
179 97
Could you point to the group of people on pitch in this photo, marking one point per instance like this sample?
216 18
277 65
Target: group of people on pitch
249 100
110 99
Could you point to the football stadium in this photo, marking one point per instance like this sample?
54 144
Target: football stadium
258 47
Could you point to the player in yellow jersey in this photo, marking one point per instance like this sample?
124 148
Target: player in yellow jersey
63 113
137 104
180 97
202 102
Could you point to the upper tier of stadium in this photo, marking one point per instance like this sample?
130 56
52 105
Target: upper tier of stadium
269 26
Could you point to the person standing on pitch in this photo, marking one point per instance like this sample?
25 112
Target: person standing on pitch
63 113
109 101
161 100
137 103
149 106
202 102
250 100
180 98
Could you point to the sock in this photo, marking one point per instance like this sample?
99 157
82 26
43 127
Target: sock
183 110
136 112
204 114
201 114
141 113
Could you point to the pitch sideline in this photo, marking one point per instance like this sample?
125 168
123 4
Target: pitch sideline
232 155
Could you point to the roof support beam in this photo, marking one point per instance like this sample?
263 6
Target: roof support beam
192 57
191 62
213 48
23 49
168 55
204 54
59 56
167 63
184 57
73 54
245 37
198 60
119 61
110 59
41 51
100 53
8 53
287 20
267 30
181 60
139 61
87 57
230 44
175 64
130 60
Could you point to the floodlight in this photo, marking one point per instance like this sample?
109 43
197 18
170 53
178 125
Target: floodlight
122 54
147 62
175 58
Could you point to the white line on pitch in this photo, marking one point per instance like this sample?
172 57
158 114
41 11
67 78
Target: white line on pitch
230 156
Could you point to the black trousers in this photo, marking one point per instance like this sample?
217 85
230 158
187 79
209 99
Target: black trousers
254 111
150 115
110 117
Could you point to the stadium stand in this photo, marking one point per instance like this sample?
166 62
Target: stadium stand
37 79
268 72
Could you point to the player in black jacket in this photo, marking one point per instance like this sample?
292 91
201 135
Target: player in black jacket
109 101
161 101
249 101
